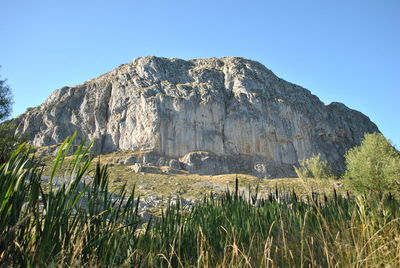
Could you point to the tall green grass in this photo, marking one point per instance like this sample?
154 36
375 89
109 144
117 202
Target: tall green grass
81 224
74 224
323 232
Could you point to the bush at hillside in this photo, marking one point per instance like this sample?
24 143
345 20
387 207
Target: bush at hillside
6 99
8 141
314 167
374 167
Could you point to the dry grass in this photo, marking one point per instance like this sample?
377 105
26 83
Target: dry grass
194 185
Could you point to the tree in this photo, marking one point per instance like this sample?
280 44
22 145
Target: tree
373 168
5 99
314 167
8 141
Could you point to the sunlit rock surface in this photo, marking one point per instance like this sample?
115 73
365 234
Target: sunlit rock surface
213 115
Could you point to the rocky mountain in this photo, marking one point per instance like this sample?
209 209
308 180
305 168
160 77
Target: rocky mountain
211 116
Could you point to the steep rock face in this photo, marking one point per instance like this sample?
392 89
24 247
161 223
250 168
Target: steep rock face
231 108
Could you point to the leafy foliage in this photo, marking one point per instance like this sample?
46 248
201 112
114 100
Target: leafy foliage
5 99
314 168
373 167
9 142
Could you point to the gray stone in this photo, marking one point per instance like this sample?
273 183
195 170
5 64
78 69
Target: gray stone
173 163
202 162
144 187
260 168
150 158
232 108
162 161
117 180
166 170
130 160
137 167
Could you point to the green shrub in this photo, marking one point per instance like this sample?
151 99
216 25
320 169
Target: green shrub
314 168
374 167
8 141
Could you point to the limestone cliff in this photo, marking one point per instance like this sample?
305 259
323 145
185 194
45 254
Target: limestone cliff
232 111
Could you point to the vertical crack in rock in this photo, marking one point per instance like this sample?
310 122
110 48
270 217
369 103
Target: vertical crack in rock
104 136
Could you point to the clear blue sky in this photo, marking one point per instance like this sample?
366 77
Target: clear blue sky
347 51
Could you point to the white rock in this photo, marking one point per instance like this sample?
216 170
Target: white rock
227 107
137 168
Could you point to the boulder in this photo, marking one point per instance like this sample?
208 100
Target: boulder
175 164
130 160
137 168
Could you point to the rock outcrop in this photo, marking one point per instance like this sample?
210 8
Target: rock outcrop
212 115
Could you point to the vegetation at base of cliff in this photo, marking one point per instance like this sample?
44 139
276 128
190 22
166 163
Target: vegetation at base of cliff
373 168
314 167
8 141
82 224
6 99
190 185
